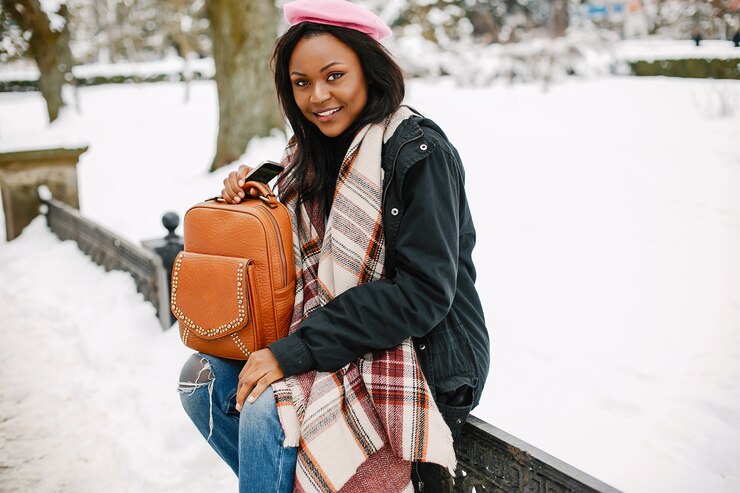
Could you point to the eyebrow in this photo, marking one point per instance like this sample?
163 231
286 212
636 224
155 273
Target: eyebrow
320 71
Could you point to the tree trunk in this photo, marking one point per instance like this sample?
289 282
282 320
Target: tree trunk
243 34
558 18
49 48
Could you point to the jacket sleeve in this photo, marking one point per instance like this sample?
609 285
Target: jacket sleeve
381 314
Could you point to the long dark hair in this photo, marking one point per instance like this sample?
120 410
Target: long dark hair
385 92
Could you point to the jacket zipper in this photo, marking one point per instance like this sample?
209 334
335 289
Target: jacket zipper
393 169
280 244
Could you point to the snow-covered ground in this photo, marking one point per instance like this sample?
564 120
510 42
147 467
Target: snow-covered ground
608 217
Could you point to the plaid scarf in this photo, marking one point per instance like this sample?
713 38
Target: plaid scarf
359 428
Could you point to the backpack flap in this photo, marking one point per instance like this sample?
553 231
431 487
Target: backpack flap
210 294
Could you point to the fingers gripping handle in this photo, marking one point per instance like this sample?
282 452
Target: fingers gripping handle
264 190
264 193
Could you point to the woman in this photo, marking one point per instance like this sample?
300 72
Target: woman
386 319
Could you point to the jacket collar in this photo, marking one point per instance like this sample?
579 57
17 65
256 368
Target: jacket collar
408 130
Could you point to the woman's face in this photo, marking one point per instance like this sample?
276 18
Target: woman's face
328 83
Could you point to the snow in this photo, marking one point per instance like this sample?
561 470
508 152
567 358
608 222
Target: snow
172 66
608 218
25 69
583 52
89 381
608 267
51 9
25 131
669 49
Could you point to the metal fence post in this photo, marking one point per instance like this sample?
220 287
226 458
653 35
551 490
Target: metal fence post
167 249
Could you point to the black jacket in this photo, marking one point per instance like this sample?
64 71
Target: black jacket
428 293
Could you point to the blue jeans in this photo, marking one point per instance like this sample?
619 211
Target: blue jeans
250 441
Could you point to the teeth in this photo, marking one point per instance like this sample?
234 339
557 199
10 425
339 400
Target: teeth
329 112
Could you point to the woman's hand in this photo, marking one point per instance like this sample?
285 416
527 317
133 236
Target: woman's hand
260 370
233 192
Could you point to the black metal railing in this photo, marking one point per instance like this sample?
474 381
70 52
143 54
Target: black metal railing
491 460
109 250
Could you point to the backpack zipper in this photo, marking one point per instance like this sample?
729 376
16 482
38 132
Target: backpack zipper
280 244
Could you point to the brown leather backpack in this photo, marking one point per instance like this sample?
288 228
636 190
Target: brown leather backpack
233 286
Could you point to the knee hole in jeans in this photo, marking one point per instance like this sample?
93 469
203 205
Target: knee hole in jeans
195 373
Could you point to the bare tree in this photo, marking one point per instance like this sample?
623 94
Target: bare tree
49 46
243 33
558 18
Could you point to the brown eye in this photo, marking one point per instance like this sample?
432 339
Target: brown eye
334 76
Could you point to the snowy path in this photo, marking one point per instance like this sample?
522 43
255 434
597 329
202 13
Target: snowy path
608 217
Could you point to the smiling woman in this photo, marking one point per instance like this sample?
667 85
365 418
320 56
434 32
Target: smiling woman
333 96
387 350
366 85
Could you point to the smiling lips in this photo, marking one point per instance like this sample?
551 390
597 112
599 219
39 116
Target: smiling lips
328 115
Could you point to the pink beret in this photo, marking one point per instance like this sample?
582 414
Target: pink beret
336 13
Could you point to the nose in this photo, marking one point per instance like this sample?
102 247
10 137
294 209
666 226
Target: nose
320 93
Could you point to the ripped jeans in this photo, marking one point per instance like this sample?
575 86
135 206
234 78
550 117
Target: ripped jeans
250 441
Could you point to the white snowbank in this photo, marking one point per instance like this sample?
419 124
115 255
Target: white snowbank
89 381
23 131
